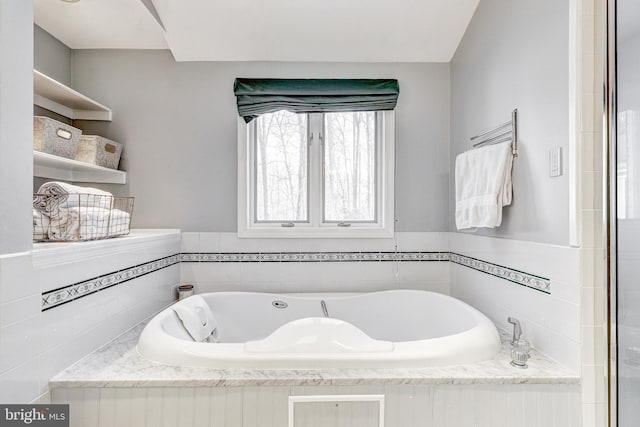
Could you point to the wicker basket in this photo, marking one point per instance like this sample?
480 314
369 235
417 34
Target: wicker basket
100 151
53 137
80 217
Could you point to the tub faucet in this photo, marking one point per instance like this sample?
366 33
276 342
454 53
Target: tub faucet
519 346
517 329
324 308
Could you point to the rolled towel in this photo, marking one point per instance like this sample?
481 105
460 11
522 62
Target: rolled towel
78 223
40 225
60 195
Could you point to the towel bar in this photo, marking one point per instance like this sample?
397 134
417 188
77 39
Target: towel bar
508 132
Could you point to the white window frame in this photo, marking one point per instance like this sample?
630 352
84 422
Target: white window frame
316 228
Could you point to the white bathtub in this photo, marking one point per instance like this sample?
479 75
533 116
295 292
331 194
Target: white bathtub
400 328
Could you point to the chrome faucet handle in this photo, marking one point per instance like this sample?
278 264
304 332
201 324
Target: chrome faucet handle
520 354
517 329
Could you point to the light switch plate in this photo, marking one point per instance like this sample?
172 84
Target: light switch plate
555 162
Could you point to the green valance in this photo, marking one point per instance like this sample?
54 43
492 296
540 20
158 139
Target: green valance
261 96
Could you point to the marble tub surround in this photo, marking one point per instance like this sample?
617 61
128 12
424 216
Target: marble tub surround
118 364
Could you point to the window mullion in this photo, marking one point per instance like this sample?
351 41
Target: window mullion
315 169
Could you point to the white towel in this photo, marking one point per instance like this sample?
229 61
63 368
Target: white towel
79 223
483 186
60 195
40 225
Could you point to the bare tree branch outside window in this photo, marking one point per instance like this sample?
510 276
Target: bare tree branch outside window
281 167
350 167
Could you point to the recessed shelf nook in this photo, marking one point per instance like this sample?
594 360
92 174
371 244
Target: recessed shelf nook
54 96
55 167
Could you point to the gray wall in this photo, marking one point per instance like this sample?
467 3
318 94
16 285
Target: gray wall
51 56
514 54
178 124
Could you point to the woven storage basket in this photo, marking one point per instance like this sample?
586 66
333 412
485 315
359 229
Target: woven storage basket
100 151
53 137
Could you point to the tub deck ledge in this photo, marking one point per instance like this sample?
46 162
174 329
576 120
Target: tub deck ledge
117 364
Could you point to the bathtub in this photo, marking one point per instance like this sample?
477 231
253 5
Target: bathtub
398 328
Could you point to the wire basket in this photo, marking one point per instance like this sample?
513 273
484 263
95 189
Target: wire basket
80 217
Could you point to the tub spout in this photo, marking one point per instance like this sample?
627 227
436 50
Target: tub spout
324 308
517 329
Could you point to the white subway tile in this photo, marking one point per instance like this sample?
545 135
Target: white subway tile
211 242
594 384
587 116
552 261
19 310
593 310
587 152
429 271
56 359
587 8
566 292
43 399
190 242
229 242
20 384
57 326
16 277
19 342
210 272
367 245
588 190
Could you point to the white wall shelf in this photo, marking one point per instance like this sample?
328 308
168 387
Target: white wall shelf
61 99
54 167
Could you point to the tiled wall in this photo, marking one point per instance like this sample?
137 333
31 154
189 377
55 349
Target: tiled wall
550 320
431 272
461 405
58 306
37 344
538 283
593 298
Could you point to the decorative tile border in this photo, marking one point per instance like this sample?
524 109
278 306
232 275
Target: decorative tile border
75 291
522 278
57 297
529 280
314 256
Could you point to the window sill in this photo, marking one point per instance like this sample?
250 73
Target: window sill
323 233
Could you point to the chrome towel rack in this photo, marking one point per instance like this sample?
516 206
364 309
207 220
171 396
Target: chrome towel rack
505 132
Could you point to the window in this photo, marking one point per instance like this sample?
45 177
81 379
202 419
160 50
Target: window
316 175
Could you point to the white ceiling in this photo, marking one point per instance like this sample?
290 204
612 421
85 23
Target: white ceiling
273 30
100 24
